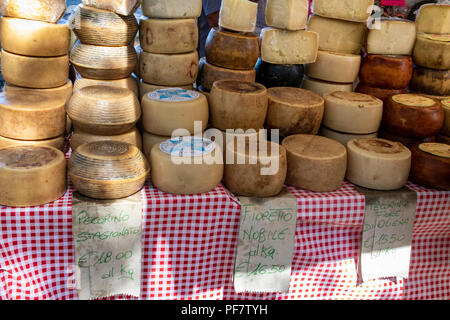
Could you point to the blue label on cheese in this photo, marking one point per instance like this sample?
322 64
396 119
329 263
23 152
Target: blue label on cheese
173 95
187 146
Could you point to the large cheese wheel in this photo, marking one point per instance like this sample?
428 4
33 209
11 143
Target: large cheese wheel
380 93
34 72
172 9
338 35
431 165
388 72
42 10
210 74
149 140
442 139
126 83
334 67
132 136
288 47
287 14
430 81
238 15
166 110
255 173
186 165
446 106
432 51
31 175
232 50
103 63
378 164
57 143
294 110
65 90
104 110
406 141
434 18
351 10
342 137
412 115
145 88
122 7
103 27
322 87
352 112
227 100
279 75
169 69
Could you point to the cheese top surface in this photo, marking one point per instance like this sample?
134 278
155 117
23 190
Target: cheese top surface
436 149
27 158
380 147
187 146
413 100
295 96
173 95
23 99
240 86
314 146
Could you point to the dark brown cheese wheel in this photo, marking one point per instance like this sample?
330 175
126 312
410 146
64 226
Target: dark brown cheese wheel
430 81
380 93
406 141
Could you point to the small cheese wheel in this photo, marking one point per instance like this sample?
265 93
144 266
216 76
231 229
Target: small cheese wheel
338 35
122 7
145 88
65 90
35 72
132 136
103 63
238 15
288 47
406 141
104 110
168 35
334 67
169 69
342 137
412 115
350 10
315 163
227 100
103 27
210 74
41 10
434 18
287 14
166 110
31 175
126 83
149 140
279 75
192 171
432 51
352 112
108 169
172 9
294 110
431 165
392 37
446 106
57 143
388 72
232 50
380 93
442 139
261 173
430 81
322 87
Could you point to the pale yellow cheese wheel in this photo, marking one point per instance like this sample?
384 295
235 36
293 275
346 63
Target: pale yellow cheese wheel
434 18
287 14
334 67
322 87
57 143
42 10
145 88
65 90
127 83
132 136
432 51
238 15
172 9
350 10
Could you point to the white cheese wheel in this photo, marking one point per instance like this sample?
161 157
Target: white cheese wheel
434 18
132 136
149 140
394 37
238 15
122 7
342 137
42 10
350 10
334 67
378 164
145 88
126 83
432 51
65 90
57 143
287 14
172 9
352 112
322 87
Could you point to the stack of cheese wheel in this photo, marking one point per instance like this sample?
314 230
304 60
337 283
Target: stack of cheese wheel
285 44
169 40
35 66
341 26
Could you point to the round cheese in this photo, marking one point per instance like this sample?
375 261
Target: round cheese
122 7
132 136
352 112
434 18
172 9
287 14
103 63
442 139
145 88
412 115
166 110
431 165
42 10
294 110
65 90
432 51
186 165
446 106
380 93
406 141
322 87
279 75
343 138
149 140
227 100
104 110
334 67
108 169
57 143
351 10
388 72
238 15
430 81
126 83
378 164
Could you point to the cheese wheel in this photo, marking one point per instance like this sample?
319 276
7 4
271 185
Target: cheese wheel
238 15
145 88
108 169
196 167
430 81
432 51
210 74
104 110
287 14
380 93
406 141
168 35
442 139
57 143
446 106
388 72
334 67
31 175
149 140
42 10
352 112
412 115
338 35
431 165
122 7
434 18
350 10
342 137
392 37
132 136
232 50
288 47
260 173
169 69
34 38
103 63
28 115
34 72
172 9
294 110
166 110
103 27
227 100
279 75
322 87
315 163
126 83
65 90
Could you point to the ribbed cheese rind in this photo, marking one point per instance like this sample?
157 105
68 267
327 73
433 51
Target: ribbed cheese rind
42 10
432 51
127 83
394 36
351 10
145 88
172 9
65 90
57 143
430 81
287 14
238 15
434 18
122 7
334 67
322 87
133 136
343 138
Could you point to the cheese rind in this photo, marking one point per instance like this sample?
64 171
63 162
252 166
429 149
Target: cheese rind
334 67
350 10
394 36
430 81
238 15
434 18
122 7
322 87
145 88
57 143
41 10
279 75
432 51
380 93
65 90
133 136
126 83
287 14
342 137
172 9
